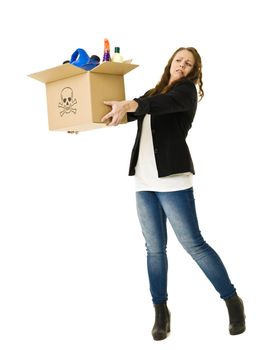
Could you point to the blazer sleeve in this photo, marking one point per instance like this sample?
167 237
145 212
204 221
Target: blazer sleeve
182 97
132 116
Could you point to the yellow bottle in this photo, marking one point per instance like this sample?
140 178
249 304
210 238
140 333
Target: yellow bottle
117 56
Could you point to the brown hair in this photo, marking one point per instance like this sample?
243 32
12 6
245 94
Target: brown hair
195 75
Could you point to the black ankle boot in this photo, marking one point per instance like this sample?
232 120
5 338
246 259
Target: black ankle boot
161 326
236 314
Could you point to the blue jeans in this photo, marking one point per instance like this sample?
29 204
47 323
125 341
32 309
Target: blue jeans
154 208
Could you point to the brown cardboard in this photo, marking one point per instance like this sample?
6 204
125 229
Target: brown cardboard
75 96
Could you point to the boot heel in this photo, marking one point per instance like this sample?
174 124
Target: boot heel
168 326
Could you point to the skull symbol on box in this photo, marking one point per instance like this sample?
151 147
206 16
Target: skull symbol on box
67 101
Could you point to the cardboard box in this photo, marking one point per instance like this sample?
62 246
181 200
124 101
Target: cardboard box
75 96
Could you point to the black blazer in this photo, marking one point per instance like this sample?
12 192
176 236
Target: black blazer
172 115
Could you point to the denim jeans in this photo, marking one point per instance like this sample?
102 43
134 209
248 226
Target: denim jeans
154 208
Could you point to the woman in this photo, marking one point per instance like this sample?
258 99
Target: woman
163 169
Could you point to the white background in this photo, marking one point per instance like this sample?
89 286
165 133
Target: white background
72 257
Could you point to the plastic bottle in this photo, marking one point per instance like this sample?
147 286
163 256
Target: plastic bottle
117 56
106 56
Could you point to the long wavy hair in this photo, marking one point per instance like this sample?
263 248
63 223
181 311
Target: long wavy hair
195 75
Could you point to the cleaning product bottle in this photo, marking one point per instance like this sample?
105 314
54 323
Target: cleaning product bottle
106 56
117 56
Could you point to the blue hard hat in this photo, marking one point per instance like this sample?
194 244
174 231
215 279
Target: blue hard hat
81 59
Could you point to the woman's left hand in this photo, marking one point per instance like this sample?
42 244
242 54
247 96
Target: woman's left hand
117 113
119 110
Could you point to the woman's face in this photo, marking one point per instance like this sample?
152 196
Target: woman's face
182 64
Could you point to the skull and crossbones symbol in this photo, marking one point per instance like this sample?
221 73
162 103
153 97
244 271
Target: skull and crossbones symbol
67 101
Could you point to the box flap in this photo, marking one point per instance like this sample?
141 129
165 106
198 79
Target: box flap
114 68
57 73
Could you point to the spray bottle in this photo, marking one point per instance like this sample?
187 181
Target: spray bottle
106 56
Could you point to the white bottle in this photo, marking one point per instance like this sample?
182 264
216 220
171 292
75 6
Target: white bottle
117 56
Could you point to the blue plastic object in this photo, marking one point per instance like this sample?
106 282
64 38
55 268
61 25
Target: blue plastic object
81 59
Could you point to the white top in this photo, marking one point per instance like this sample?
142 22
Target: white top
146 175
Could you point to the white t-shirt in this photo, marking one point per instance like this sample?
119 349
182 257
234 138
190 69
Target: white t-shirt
146 175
